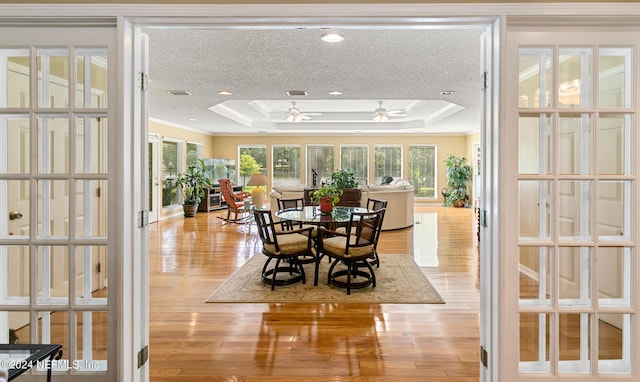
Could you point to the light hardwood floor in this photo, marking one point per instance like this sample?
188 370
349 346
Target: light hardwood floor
334 341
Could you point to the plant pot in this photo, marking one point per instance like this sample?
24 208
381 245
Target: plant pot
190 210
458 203
325 205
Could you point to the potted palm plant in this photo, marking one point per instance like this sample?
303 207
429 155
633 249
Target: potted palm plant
326 196
458 175
193 183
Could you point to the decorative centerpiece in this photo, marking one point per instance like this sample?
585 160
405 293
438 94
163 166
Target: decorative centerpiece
326 196
192 184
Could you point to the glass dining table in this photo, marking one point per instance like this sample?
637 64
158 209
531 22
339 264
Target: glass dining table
312 215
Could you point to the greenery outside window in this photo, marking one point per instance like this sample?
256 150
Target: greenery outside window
356 157
252 159
171 167
194 152
422 170
286 165
387 162
320 160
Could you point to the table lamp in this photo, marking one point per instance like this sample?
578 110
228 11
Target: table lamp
258 194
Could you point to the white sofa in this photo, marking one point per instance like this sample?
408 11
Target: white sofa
398 194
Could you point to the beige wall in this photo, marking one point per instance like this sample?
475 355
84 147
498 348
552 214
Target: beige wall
227 146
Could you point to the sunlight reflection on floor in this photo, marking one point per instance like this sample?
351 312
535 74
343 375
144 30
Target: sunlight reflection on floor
425 239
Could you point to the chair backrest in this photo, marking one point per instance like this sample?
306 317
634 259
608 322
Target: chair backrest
265 225
375 204
226 188
291 204
366 227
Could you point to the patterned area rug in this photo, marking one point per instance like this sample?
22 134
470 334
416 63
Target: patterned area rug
399 280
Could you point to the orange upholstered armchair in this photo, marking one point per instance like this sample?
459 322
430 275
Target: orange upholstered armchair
234 200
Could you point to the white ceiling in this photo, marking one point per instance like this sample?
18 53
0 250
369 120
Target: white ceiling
407 69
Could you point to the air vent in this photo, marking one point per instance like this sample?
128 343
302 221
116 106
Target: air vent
296 93
179 92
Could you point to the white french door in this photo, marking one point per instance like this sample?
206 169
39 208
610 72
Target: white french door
56 190
570 266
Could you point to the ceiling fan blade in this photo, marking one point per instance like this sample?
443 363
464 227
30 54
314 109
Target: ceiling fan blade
305 116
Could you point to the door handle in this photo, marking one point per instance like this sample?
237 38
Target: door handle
14 215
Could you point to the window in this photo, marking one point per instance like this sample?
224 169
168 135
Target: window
387 162
422 170
286 165
320 160
253 159
194 152
171 159
357 159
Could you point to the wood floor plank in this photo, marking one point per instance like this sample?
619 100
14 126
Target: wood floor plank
194 341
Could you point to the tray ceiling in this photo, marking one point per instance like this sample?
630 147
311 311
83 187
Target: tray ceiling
409 70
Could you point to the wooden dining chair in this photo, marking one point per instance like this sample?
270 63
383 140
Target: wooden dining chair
351 250
373 205
290 204
285 247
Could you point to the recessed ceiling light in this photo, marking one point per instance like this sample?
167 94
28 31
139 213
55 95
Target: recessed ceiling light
192 119
335 93
296 92
224 93
178 92
332 37
446 92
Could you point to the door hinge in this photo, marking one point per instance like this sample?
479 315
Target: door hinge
143 218
484 221
143 356
484 357
98 268
144 81
483 81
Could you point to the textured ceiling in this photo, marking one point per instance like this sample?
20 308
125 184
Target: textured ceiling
405 68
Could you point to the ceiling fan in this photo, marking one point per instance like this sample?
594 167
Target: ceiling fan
295 115
380 114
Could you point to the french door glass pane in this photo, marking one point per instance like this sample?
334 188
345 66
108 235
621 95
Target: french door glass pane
614 206
53 274
91 211
18 207
91 135
320 161
286 165
535 329
52 328
535 144
535 275
16 273
90 268
15 68
613 346
614 144
53 145
575 144
92 341
388 162
575 89
574 335
574 276
535 209
53 208
91 78
535 78
613 268
614 67
18 322
14 144
574 210
53 77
